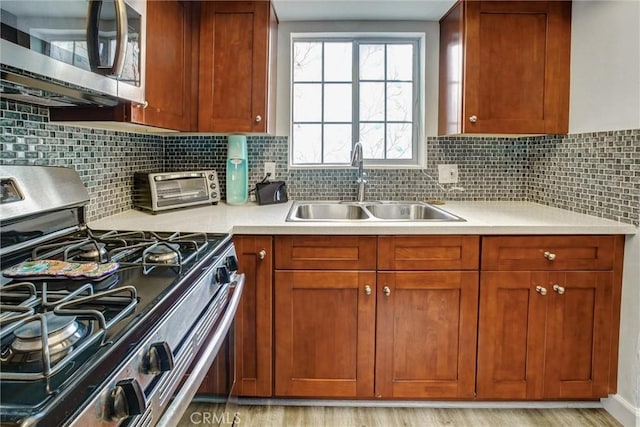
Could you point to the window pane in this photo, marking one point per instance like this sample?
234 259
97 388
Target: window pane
372 62
337 102
308 144
307 61
372 138
399 62
399 102
337 143
307 102
371 101
399 141
337 62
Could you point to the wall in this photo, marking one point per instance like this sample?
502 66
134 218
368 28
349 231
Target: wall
105 160
605 65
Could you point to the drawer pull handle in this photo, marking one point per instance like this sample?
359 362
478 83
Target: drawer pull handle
559 289
549 255
386 290
367 290
541 290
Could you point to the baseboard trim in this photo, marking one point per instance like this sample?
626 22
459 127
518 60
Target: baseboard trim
421 404
623 411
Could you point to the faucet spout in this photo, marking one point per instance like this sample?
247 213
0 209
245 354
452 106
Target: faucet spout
357 160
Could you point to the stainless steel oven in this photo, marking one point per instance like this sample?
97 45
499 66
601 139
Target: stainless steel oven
94 44
100 327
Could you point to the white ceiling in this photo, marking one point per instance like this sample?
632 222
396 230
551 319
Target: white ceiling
378 10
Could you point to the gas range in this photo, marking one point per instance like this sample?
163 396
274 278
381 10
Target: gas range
98 327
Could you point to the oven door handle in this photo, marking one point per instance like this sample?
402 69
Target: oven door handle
183 398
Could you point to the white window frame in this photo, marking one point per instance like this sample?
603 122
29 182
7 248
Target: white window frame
418 40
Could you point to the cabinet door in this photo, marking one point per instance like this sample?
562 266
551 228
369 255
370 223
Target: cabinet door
254 317
234 66
325 331
579 329
170 62
517 66
511 335
426 334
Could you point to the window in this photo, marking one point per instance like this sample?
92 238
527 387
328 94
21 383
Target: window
346 90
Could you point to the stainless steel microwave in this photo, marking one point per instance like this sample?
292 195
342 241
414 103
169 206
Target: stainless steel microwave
97 45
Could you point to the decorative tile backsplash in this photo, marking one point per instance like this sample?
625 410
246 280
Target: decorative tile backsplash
595 173
592 173
105 160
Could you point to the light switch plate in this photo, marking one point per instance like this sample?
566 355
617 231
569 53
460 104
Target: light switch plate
448 174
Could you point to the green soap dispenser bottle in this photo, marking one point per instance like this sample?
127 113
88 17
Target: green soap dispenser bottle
237 179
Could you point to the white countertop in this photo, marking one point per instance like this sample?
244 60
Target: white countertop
481 218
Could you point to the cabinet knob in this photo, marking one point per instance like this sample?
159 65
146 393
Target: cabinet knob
541 290
144 105
386 291
550 256
262 254
367 290
473 119
559 289
258 119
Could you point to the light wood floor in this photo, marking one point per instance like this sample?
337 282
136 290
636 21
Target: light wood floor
319 416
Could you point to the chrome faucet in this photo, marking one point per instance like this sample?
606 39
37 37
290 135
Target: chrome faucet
357 159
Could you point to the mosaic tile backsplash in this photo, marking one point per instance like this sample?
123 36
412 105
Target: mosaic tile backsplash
105 160
595 173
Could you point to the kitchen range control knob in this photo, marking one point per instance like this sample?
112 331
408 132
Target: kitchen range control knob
231 263
222 275
158 359
127 399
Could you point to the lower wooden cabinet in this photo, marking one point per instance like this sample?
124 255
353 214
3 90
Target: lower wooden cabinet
426 334
254 317
545 335
324 333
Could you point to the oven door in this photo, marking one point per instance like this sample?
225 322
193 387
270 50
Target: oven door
93 44
215 361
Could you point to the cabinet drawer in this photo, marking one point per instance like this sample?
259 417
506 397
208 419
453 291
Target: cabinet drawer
532 253
325 252
428 252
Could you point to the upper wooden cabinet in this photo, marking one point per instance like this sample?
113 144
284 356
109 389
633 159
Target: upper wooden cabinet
504 67
170 78
237 59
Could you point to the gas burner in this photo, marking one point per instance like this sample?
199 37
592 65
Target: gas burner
93 251
62 333
163 253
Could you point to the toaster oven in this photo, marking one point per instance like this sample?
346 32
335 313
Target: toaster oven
170 190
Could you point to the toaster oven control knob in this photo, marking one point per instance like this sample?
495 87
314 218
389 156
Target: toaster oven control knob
127 399
158 359
231 263
212 177
222 275
213 186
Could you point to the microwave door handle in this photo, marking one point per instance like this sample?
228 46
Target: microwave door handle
93 38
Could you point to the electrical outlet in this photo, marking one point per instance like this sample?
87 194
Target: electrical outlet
448 174
270 168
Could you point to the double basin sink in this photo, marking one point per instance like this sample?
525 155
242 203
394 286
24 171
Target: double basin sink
368 211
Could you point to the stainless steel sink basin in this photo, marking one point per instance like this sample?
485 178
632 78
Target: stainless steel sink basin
414 211
323 211
368 211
